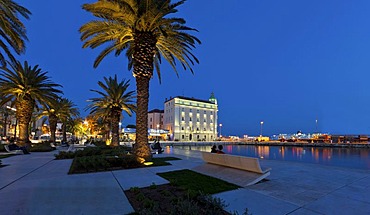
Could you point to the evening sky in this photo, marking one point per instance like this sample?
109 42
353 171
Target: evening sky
286 63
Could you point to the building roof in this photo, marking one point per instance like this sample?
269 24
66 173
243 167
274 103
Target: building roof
156 111
191 99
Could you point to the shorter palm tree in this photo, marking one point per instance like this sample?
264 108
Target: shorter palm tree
59 110
26 87
114 99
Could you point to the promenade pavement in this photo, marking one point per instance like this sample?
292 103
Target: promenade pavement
38 184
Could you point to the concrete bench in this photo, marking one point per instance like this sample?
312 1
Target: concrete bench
238 162
17 151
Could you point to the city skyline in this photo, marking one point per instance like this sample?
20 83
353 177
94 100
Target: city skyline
286 63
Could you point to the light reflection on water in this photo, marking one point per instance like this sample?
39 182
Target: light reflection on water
358 158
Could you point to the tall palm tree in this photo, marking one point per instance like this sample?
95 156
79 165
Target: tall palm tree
145 31
26 87
12 30
114 99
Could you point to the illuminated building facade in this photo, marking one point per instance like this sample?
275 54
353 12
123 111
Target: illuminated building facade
155 119
190 119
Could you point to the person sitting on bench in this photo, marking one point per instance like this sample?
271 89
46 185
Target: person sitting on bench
157 146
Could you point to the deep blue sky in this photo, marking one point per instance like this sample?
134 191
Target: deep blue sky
284 62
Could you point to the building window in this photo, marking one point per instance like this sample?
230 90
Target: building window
197 129
150 119
211 121
197 119
197 111
182 109
182 118
205 112
211 112
190 119
182 128
183 137
190 110
204 129
205 120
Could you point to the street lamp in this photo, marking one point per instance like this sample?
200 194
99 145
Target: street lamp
220 129
261 128
16 121
157 130
316 125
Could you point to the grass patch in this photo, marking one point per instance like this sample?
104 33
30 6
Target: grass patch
195 182
162 161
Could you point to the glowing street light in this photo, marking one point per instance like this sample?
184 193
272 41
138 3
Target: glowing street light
261 128
220 129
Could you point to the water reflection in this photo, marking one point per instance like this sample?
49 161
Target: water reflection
358 158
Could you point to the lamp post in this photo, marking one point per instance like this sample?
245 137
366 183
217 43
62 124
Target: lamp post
157 130
16 121
316 125
261 128
220 130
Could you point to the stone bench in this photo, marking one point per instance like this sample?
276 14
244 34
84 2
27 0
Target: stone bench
16 152
249 164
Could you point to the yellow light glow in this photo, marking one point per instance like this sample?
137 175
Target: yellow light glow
148 163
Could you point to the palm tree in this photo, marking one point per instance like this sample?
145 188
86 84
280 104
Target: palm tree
12 30
59 110
143 29
114 99
69 111
26 87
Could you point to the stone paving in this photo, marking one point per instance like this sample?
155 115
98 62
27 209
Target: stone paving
38 184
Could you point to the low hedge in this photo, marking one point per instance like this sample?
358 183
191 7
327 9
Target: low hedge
41 147
93 151
99 163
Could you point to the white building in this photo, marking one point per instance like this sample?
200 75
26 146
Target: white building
190 119
155 119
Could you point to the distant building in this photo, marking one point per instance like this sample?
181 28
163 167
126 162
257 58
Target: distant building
155 119
190 119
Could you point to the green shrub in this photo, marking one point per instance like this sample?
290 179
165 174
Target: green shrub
64 155
102 163
41 147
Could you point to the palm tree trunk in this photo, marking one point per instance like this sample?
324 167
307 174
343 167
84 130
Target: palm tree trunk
115 127
53 120
23 114
5 125
144 51
64 131
141 145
